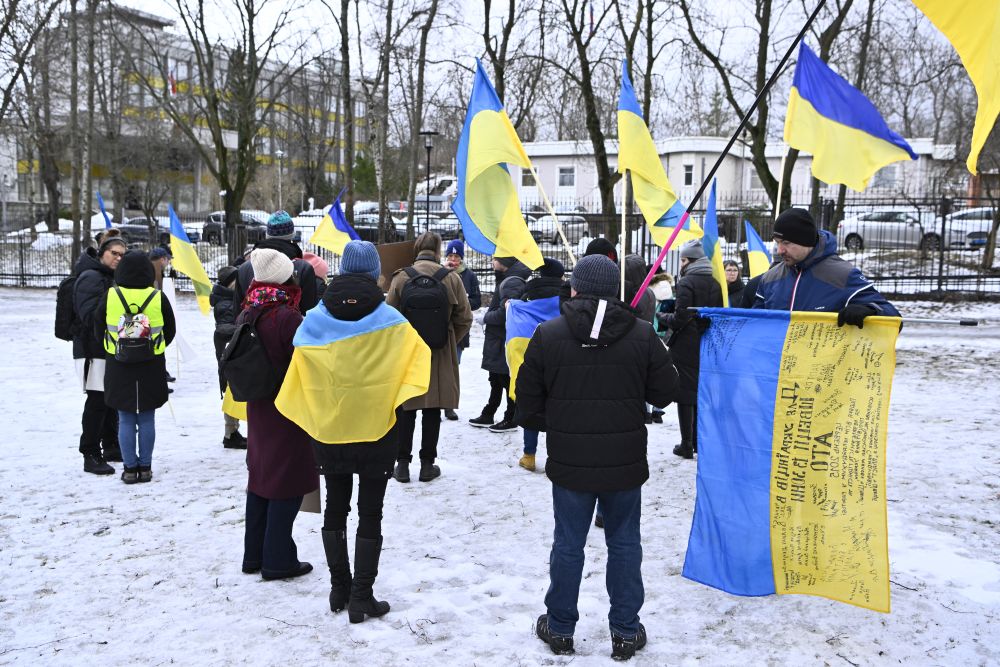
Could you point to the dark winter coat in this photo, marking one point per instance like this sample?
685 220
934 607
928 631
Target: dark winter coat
135 387
221 300
351 298
542 287
302 271
735 292
590 394
510 285
697 288
93 280
749 293
635 273
823 281
279 453
471 283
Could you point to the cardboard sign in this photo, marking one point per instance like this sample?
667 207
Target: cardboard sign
394 256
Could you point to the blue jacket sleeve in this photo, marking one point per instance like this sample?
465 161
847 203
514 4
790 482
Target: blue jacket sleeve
861 291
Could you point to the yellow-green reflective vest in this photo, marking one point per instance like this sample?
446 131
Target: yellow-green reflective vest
135 298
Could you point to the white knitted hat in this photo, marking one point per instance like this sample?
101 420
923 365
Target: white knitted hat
270 266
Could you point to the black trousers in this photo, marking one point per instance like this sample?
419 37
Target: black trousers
371 493
268 541
430 427
99 424
499 383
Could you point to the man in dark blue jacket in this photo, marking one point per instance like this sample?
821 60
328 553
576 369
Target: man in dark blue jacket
812 276
586 378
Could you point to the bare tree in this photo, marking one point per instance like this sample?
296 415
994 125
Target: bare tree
22 24
517 61
76 152
416 115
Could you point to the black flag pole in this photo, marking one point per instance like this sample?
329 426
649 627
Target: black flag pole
729 146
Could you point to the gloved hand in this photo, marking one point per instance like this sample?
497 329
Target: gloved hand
663 319
854 314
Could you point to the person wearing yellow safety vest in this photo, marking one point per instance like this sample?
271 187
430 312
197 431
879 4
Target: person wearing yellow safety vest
135 388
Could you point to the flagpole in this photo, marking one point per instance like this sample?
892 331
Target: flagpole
621 240
552 212
729 146
781 186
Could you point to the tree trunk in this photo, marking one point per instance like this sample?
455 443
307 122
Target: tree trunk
382 140
76 154
89 192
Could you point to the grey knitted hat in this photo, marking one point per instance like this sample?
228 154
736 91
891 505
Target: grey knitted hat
595 275
361 257
693 249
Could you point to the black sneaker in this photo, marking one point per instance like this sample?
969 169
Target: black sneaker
623 648
96 465
504 425
450 415
559 645
599 520
657 417
145 474
428 472
171 378
683 452
402 472
130 475
484 420
234 441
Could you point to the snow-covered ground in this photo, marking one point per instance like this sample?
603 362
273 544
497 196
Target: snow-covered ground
93 572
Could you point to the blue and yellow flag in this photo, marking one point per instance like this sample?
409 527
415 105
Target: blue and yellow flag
185 259
713 246
973 28
333 231
523 317
757 253
346 379
791 494
487 203
104 212
831 119
637 153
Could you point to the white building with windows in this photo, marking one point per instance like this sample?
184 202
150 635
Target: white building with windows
569 176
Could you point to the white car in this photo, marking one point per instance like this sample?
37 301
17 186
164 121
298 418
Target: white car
888 227
969 228
545 229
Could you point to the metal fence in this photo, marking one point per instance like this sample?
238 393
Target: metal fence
906 245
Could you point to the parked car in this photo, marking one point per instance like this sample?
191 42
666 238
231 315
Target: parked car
969 228
449 227
900 227
136 230
544 228
366 225
254 221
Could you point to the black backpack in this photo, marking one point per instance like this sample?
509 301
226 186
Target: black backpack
245 364
136 342
67 323
424 302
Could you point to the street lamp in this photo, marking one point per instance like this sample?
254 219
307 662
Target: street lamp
428 136
279 155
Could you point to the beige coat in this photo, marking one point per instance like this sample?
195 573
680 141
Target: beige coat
444 387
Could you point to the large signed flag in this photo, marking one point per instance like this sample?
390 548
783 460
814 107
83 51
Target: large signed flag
973 28
487 204
637 153
522 319
333 231
347 378
757 254
834 121
791 495
185 259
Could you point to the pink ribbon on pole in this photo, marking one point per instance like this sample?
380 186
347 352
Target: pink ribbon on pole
659 259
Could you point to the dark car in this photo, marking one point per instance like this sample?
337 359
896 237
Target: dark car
136 230
254 222
366 225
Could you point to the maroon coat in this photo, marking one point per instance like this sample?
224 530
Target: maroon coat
279 453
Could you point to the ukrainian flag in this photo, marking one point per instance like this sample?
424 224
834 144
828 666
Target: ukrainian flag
713 246
333 231
791 495
831 119
652 189
346 379
104 212
760 258
185 259
487 203
523 317
973 28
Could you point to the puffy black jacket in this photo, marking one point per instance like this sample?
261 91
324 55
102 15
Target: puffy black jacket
635 273
495 319
590 394
221 300
542 287
93 280
470 281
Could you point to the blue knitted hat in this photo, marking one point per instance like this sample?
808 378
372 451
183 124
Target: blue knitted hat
280 226
361 257
455 247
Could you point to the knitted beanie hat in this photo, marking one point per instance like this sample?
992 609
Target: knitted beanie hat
693 249
797 226
506 261
601 246
280 226
270 266
455 247
552 268
319 264
595 275
361 257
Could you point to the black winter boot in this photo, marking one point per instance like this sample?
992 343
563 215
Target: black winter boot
97 465
623 648
401 473
559 645
429 471
335 545
485 420
363 602
685 418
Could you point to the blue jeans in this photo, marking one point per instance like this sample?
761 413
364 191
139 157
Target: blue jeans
573 513
139 426
530 441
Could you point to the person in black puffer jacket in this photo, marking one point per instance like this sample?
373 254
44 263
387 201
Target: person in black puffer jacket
586 379
495 341
221 300
697 287
95 271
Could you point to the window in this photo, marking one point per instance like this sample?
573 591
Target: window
527 179
567 177
755 182
689 174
